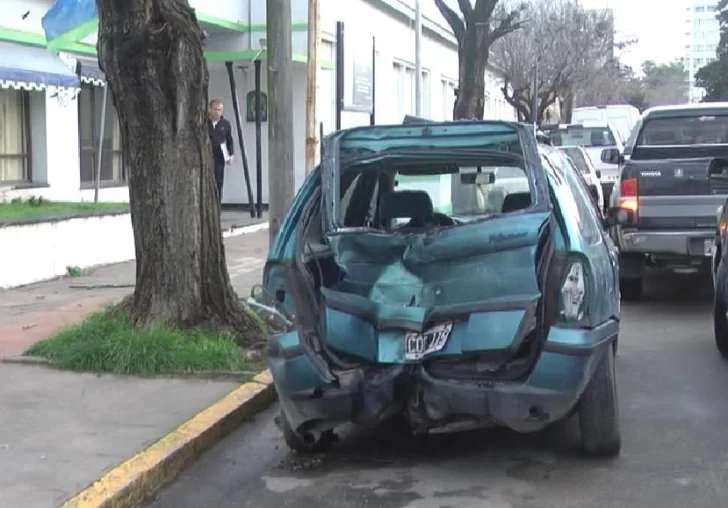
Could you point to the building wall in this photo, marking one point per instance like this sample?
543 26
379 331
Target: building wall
702 33
55 124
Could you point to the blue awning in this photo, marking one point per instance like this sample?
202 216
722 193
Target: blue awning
66 15
33 68
89 72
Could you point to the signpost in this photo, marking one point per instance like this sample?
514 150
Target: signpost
355 72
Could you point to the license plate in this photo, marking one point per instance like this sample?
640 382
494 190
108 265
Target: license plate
708 247
609 178
419 345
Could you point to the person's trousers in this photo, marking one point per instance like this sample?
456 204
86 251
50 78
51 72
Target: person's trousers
219 177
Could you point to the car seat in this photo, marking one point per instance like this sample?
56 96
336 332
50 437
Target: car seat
407 204
516 201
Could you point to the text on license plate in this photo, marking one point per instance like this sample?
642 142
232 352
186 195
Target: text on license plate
418 345
709 245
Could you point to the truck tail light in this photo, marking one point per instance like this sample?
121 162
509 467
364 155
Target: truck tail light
629 197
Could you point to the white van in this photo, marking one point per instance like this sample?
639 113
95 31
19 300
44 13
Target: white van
622 117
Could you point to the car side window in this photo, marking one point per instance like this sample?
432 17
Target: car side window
583 207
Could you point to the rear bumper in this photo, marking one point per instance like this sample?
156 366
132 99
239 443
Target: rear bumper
688 244
370 394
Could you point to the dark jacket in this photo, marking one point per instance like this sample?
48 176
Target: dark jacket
221 133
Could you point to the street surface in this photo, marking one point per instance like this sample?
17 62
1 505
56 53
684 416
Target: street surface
674 408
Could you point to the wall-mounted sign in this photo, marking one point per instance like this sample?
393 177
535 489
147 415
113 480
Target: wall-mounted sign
358 70
250 106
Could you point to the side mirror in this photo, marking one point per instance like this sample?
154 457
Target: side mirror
611 156
718 168
599 173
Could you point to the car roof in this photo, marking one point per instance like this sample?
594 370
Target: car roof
686 109
585 124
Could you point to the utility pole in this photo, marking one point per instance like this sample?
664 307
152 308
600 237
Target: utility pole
281 180
418 59
314 43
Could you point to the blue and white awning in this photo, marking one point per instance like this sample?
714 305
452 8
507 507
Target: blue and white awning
34 68
89 72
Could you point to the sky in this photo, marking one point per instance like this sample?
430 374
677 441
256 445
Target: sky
661 41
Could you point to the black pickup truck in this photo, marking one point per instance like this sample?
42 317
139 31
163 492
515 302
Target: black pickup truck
672 180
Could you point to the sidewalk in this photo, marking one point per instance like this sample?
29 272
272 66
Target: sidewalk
60 431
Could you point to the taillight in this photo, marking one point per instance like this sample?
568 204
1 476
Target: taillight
629 197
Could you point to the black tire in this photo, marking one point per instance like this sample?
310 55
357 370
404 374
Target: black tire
308 443
599 412
615 345
720 322
631 289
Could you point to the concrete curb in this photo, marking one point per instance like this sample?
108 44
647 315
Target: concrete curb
141 477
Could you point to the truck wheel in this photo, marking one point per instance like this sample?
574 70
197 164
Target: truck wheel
599 411
309 442
631 289
720 322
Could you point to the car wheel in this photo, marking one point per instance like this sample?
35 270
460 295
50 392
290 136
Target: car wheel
615 345
309 442
720 321
631 289
599 411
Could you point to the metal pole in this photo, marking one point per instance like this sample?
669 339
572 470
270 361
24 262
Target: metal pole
313 66
418 59
281 182
373 115
339 72
241 140
258 142
97 178
534 99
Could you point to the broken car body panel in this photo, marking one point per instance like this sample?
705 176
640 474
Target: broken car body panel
460 320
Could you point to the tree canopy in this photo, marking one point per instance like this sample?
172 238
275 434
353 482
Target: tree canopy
714 76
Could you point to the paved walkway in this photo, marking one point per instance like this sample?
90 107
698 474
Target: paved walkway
60 431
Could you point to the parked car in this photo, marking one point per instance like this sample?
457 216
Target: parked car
594 137
487 315
592 176
622 116
670 187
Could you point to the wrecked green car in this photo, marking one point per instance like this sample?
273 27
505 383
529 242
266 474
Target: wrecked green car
456 274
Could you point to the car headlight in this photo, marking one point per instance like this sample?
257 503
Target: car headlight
573 293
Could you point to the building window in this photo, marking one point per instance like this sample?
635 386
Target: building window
426 95
448 98
89 120
15 163
406 96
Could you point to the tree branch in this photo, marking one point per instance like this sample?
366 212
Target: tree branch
467 9
452 18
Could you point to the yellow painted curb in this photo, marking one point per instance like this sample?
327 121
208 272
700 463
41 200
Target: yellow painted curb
140 477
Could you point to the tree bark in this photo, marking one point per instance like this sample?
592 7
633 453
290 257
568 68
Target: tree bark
470 100
152 54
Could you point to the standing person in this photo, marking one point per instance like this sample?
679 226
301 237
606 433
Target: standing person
221 135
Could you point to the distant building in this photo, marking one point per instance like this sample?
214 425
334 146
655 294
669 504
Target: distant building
702 31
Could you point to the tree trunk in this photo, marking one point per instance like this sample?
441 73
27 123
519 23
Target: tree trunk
567 106
470 101
151 52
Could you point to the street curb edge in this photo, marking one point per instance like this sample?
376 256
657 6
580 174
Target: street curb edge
142 476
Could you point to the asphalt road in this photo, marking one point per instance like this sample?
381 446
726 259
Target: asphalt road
673 390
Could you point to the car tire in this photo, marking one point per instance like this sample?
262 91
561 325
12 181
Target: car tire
599 411
308 443
720 321
631 289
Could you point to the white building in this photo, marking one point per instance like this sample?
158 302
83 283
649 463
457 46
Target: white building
50 106
703 34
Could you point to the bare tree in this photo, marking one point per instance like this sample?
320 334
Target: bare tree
152 54
562 48
476 28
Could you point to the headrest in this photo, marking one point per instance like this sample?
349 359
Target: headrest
408 204
516 201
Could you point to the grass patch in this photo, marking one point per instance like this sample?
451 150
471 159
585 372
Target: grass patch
38 207
76 271
107 342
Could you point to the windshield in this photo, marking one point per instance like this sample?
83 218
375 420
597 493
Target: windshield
576 135
578 158
694 130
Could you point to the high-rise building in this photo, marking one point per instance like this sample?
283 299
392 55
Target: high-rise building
702 32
